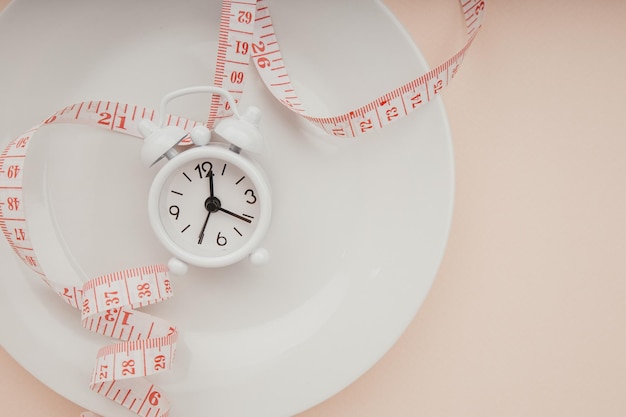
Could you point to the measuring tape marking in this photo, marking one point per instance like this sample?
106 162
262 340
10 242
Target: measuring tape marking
395 104
133 394
137 358
107 289
267 52
233 55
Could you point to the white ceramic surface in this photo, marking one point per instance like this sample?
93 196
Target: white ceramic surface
358 230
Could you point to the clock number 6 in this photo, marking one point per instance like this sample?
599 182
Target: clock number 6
221 240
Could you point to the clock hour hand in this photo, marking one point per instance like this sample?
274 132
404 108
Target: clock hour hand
245 219
211 183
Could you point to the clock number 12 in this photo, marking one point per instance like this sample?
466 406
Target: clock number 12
203 169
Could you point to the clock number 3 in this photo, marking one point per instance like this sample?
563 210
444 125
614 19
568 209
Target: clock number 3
252 198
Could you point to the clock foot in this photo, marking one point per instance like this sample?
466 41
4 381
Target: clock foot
177 267
260 257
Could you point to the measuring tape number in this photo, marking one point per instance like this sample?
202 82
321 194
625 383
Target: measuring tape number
109 304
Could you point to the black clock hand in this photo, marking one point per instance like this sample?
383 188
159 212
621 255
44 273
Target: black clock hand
211 183
211 204
201 237
235 215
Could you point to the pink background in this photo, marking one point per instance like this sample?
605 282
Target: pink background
527 315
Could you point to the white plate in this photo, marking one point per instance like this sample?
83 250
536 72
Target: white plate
359 227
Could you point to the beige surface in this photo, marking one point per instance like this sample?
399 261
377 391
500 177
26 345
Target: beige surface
527 315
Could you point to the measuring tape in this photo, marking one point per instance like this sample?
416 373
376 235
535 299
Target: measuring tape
247 33
109 304
237 25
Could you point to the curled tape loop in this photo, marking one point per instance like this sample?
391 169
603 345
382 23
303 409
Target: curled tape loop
108 303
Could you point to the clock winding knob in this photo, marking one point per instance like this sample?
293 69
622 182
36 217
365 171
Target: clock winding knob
200 135
159 141
243 132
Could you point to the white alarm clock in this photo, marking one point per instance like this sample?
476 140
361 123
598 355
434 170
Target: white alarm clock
209 205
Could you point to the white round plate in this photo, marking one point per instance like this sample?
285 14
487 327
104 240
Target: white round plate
358 230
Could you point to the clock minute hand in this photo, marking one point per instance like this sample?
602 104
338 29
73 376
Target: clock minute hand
235 215
201 237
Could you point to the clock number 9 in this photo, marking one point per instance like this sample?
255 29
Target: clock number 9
174 211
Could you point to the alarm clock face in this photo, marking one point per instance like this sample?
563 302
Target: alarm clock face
210 206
